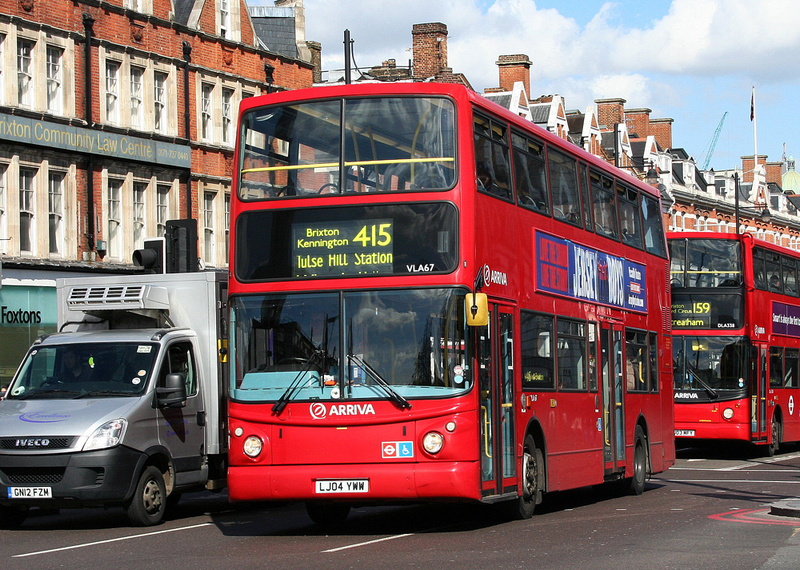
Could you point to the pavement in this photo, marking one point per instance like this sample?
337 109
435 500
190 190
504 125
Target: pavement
786 508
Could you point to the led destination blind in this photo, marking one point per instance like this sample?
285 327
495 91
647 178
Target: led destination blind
343 248
346 241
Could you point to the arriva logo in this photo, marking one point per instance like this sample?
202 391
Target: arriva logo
320 411
490 276
686 396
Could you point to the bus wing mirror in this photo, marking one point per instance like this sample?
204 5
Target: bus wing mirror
477 309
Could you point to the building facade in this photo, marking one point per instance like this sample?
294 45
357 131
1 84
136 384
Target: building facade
116 116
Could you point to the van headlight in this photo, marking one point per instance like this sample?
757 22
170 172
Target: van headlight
107 435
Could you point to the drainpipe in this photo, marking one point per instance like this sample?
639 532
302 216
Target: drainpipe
88 22
187 119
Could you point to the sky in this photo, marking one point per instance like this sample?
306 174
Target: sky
687 60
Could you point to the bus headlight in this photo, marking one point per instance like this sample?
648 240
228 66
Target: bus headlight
727 413
433 442
107 435
252 446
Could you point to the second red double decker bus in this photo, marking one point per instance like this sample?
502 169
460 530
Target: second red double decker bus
736 349
362 219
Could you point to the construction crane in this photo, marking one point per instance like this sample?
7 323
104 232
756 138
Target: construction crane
713 142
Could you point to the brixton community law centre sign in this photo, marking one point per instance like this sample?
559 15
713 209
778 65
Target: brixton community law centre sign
78 139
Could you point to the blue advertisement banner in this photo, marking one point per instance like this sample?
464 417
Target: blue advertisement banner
579 272
785 319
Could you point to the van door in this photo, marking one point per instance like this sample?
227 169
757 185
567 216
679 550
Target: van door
181 430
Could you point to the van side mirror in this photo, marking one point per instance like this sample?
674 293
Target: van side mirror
476 305
173 393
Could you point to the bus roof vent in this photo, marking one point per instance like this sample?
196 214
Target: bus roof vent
117 297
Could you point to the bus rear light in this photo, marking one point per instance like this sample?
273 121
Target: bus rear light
433 442
727 413
252 446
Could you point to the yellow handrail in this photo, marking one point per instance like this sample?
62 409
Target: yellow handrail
354 163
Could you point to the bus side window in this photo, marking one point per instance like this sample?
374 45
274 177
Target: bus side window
789 276
586 199
772 263
604 205
491 158
537 351
792 360
759 273
564 188
631 227
775 367
653 226
636 368
653 338
530 176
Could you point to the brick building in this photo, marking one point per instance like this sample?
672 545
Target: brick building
118 115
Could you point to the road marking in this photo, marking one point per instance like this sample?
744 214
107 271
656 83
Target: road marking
358 544
84 545
729 481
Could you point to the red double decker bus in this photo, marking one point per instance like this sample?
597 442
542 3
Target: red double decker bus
736 349
364 219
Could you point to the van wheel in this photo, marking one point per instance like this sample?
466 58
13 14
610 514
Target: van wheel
12 517
149 499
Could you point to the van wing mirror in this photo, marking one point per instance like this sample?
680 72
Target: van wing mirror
173 393
476 306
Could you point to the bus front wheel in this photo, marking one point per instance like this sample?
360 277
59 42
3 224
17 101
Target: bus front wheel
531 493
639 462
777 434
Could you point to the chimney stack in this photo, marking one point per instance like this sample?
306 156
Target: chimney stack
515 68
429 49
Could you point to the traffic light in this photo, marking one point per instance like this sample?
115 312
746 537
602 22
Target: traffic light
182 246
151 257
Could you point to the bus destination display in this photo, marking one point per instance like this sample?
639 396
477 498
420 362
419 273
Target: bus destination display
707 311
343 247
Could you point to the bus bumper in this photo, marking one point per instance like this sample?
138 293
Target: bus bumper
399 481
713 430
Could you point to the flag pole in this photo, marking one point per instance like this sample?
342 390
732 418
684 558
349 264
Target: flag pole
756 179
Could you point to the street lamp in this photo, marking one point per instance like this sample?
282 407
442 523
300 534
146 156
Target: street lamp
652 175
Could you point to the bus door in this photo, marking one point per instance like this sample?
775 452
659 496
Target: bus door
758 394
496 372
612 380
